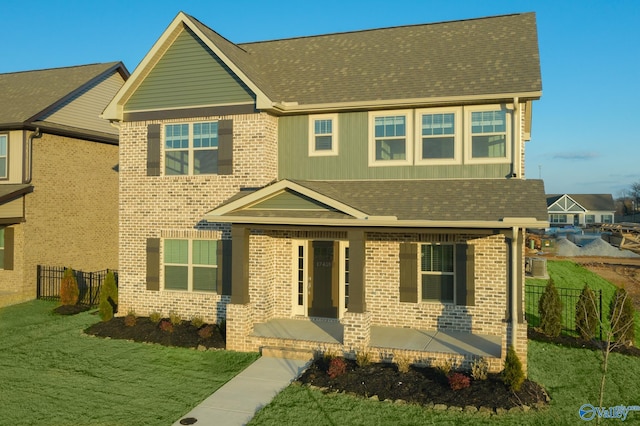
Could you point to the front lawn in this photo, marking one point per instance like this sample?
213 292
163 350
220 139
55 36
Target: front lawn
52 373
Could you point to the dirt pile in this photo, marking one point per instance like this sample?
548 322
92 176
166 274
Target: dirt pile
597 247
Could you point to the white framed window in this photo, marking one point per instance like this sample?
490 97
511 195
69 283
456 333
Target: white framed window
487 135
437 273
607 218
191 148
190 265
4 156
590 218
439 136
390 138
323 135
557 218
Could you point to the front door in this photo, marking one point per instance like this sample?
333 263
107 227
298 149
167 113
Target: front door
323 297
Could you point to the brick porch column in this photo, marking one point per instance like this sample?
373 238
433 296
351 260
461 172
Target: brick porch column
357 330
239 327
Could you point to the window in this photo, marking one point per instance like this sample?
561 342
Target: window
191 265
487 135
1 248
558 218
590 218
607 218
390 139
191 149
437 271
438 134
323 135
3 156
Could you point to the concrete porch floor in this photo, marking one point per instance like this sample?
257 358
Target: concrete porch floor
329 331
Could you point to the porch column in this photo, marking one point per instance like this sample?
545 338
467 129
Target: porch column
240 268
357 265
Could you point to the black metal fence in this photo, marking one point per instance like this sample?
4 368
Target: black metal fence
569 298
89 284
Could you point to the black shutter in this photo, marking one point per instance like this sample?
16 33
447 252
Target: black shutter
408 272
465 275
153 150
225 147
224 267
8 248
153 264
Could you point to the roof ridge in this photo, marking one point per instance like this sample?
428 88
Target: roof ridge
62 68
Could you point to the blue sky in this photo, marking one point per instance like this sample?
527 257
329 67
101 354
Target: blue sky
584 137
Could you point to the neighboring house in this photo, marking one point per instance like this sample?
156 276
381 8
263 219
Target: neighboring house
580 209
58 174
345 192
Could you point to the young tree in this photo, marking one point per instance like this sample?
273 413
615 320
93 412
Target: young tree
108 297
586 314
550 310
621 317
69 291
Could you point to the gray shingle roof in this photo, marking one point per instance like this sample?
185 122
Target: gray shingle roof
24 95
495 55
601 202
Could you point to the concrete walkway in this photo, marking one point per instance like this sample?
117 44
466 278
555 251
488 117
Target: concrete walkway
236 402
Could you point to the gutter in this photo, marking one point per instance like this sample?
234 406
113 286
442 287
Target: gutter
37 134
514 285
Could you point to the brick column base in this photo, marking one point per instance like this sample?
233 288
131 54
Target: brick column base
357 330
239 327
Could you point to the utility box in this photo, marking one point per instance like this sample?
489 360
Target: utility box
536 267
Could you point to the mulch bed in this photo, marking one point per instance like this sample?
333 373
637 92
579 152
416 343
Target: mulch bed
577 342
184 335
421 385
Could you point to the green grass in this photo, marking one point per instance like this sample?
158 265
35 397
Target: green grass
52 373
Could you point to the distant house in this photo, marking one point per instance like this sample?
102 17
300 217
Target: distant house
580 209
343 192
58 173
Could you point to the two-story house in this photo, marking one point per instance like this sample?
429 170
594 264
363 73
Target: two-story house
345 192
58 174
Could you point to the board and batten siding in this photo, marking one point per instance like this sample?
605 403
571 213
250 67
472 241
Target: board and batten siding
83 110
351 162
189 74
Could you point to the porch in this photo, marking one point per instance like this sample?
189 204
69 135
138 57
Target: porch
325 331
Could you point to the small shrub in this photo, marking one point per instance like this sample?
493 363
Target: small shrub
197 321
480 369
155 317
131 319
444 366
550 310
587 317
512 375
459 381
621 317
363 358
328 355
69 292
337 367
175 318
206 332
403 362
108 297
166 325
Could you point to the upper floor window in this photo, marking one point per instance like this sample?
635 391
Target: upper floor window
390 138
191 149
4 142
438 136
437 270
190 265
323 135
487 135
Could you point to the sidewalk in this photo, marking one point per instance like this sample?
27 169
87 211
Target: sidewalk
235 403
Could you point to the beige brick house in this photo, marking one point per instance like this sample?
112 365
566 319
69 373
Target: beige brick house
346 192
58 174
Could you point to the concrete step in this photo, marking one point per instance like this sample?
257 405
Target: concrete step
287 353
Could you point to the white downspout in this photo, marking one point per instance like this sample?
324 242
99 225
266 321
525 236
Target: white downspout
517 142
514 285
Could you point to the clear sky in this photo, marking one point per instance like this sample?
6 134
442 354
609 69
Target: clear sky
584 137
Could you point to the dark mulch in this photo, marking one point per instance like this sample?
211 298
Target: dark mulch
422 385
577 342
183 335
71 309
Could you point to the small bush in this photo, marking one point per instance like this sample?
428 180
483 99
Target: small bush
403 362
69 292
480 369
512 375
586 314
363 358
328 355
155 317
175 318
206 332
550 310
108 297
621 317
459 381
131 319
444 366
197 321
166 326
337 367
